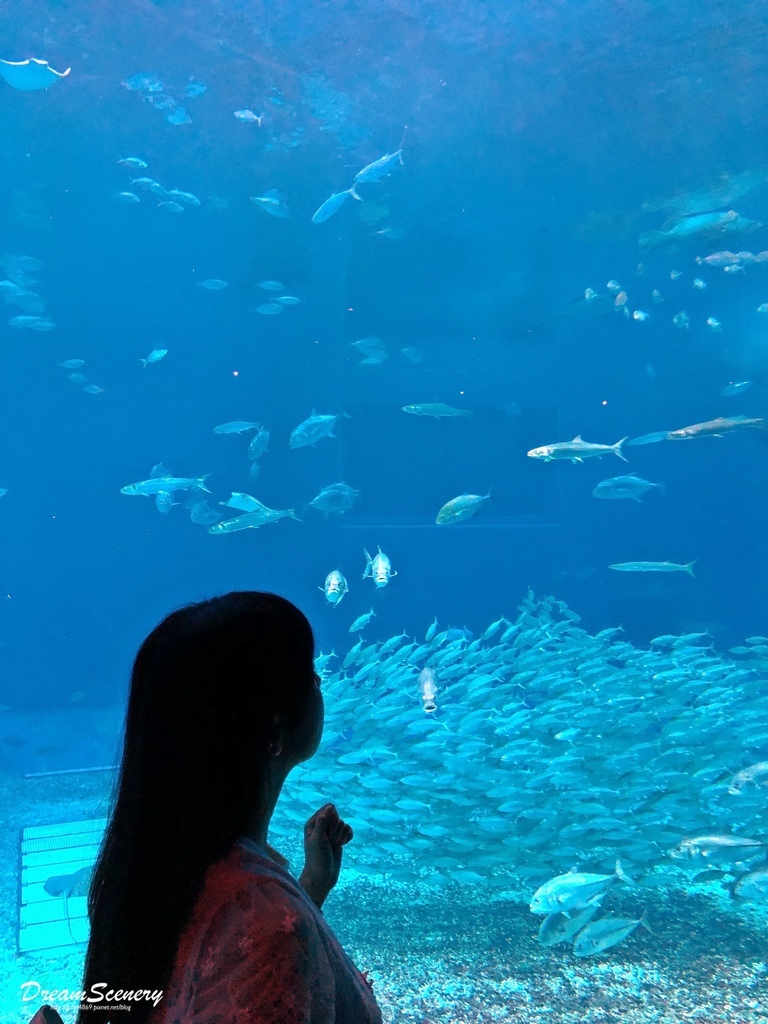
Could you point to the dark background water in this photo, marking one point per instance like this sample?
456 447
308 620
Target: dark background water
535 134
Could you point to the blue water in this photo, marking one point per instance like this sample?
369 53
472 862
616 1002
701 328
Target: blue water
535 135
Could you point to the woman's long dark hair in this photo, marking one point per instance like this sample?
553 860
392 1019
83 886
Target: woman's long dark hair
205 686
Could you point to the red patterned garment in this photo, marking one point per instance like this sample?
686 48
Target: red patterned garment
258 951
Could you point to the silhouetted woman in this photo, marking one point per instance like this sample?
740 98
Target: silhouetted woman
187 897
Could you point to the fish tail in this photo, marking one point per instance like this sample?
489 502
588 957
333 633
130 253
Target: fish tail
689 567
650 239
351 192
292 515
616 448
201 484
644 922
143 362
620 873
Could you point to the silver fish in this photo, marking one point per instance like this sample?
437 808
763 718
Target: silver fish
576 450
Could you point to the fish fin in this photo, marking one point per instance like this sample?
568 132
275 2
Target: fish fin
689 567
649 239
143 362
644 922
577 438
638 500
620 873
201 484
292 515
351 192
576 459
617 448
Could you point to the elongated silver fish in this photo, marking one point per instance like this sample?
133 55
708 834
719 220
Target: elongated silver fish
576 450
155 485
654 567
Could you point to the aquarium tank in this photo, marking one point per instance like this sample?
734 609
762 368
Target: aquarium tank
449 323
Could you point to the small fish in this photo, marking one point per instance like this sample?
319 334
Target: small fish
379 568
195 88
717 847
630 486
674 274
763 308
436 409
560 927
272 202
657 296
213 284
613 286
458 509
164 501
699 283
736 388
620 301
72 364
575 890
289 300
3 492
248 117
272 286
259 443
379 168
428 689
752 886
641 315
755 775
734 268
188 198
394 233
362 621
236 427
332 204
155 484
202 514
93 389
32 323
172 207
412 354
654 567
659 435
252 520
681 320
714 324
576 450
154 356
77 378
178 116
606 932
270 308
335 587
126 197
134 162
716 428
312 430
335 499
143 82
